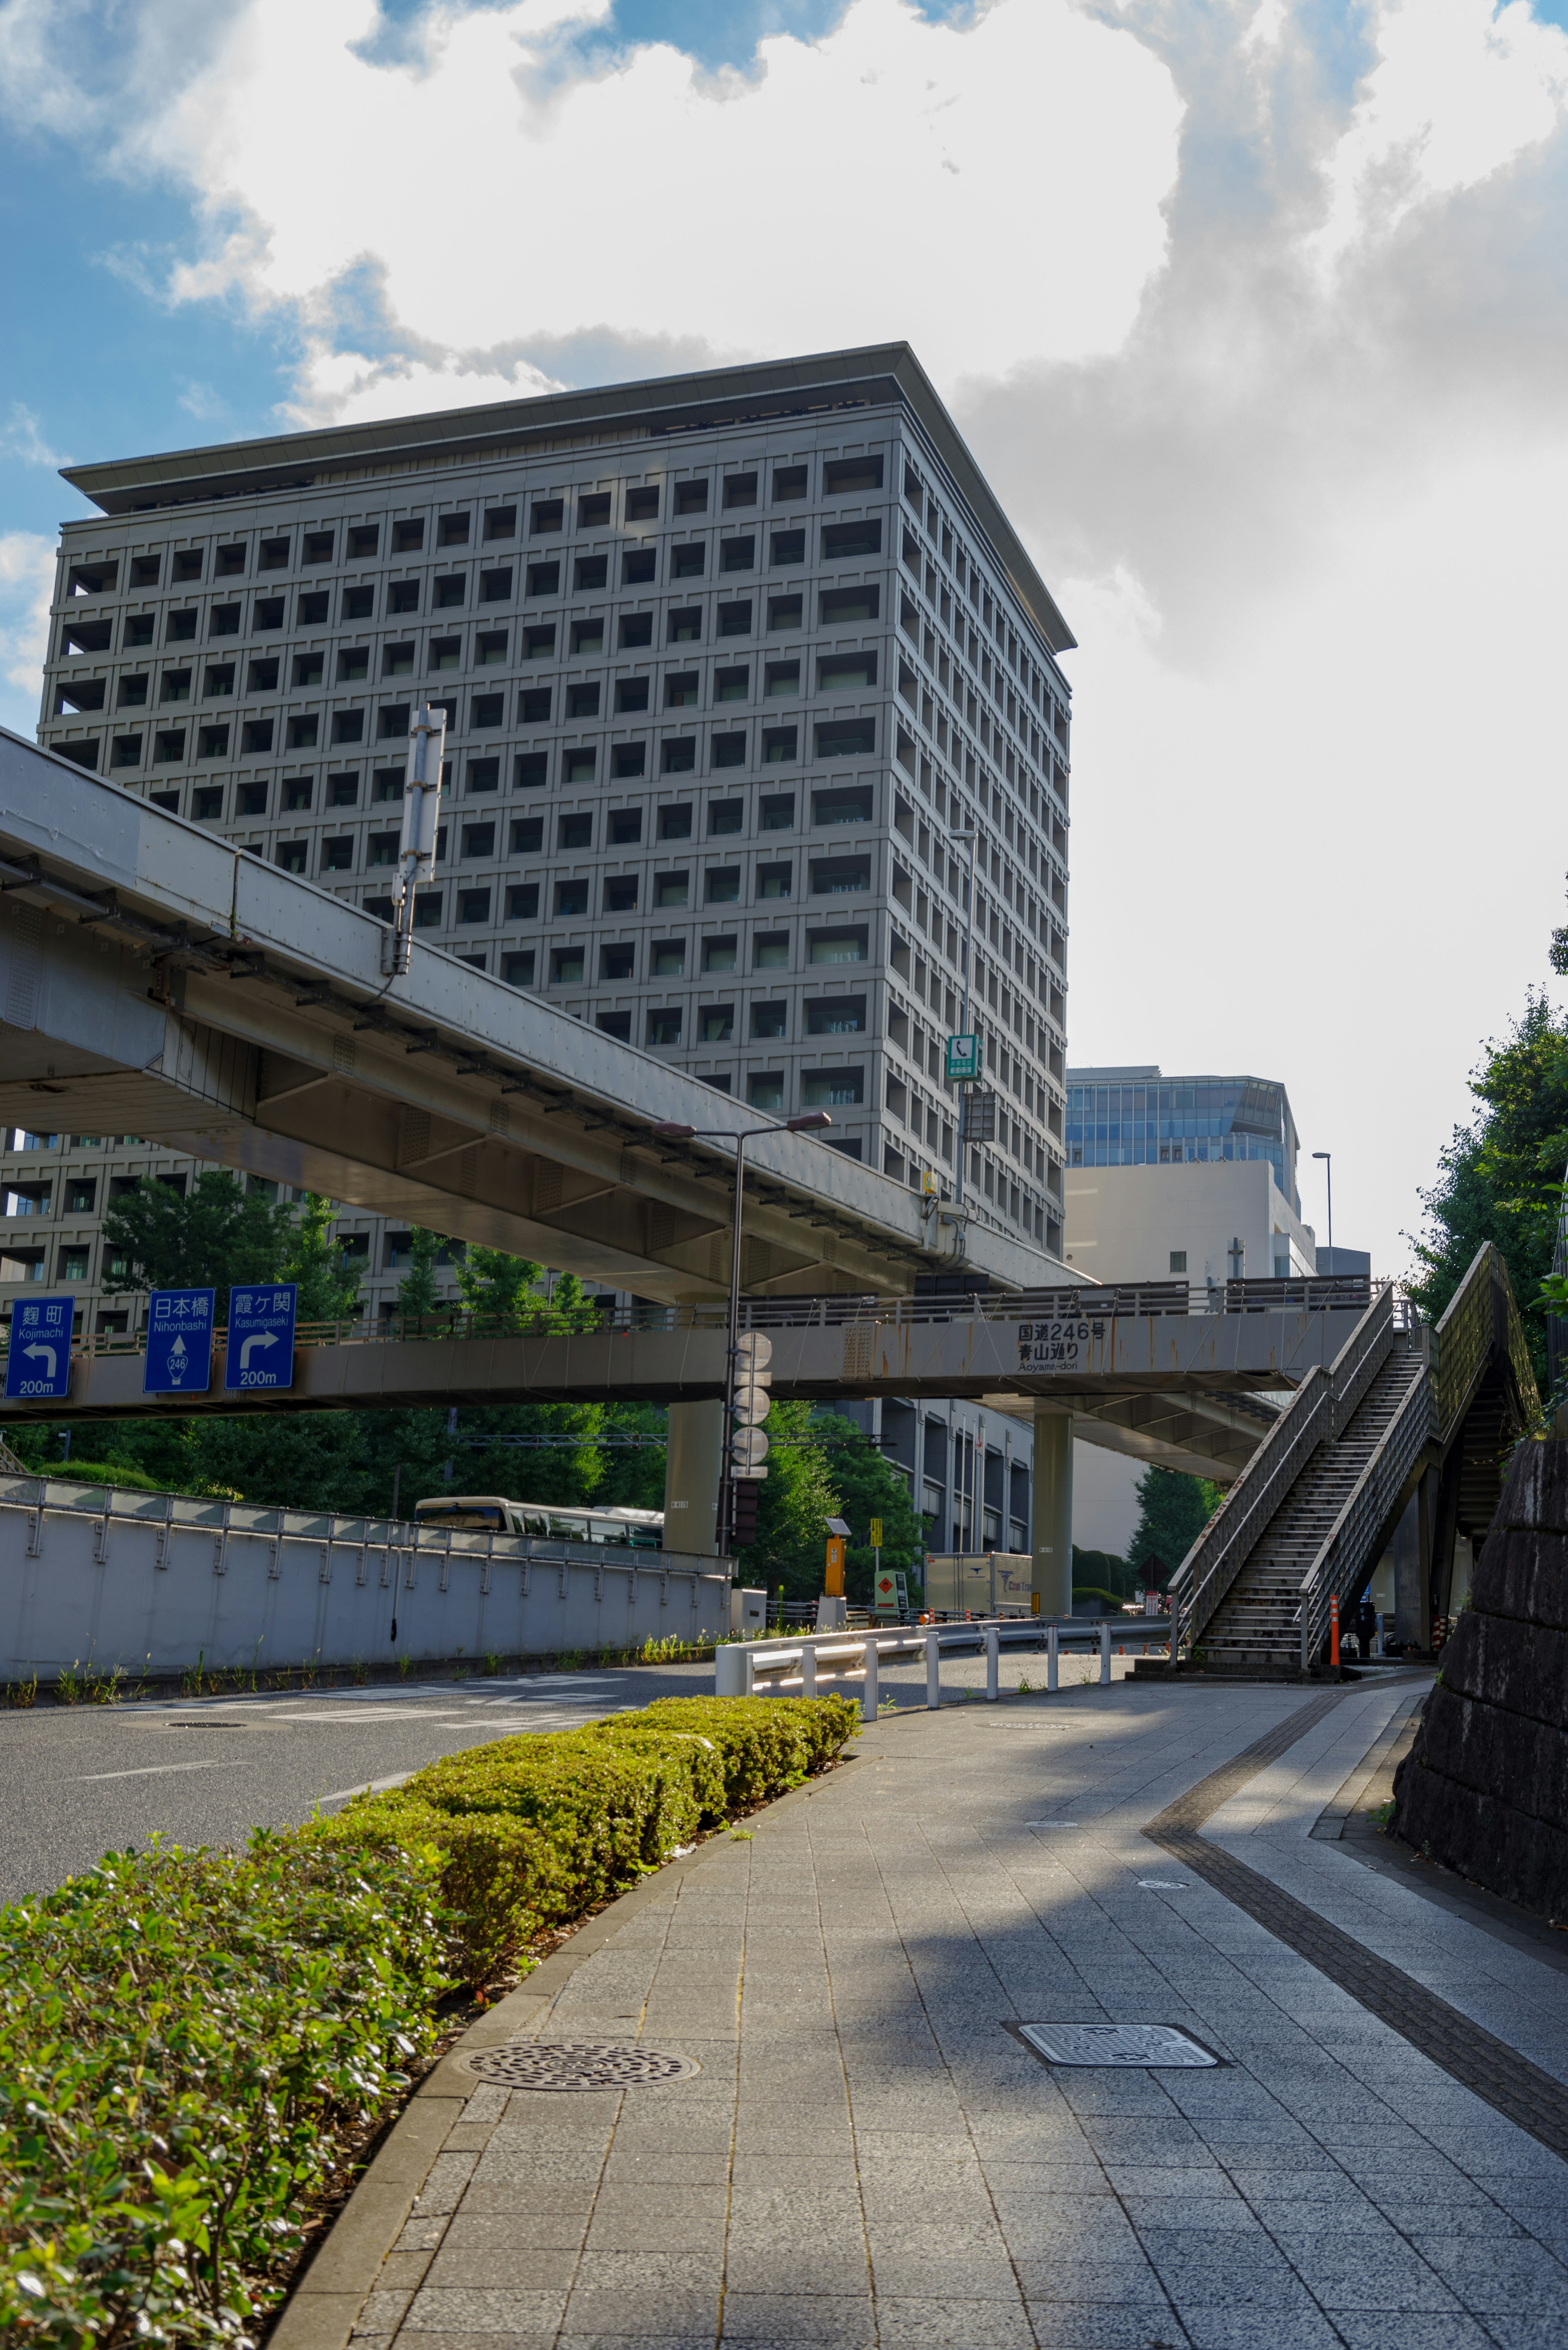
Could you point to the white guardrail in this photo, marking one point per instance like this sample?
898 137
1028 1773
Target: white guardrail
806 1667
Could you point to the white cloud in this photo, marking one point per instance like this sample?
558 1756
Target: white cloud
1459 92
992 190
26 586
20 436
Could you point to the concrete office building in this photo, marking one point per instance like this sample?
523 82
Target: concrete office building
1183 1177
726 660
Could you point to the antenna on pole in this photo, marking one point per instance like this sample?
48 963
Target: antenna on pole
417 846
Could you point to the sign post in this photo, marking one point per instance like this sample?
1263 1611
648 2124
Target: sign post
38 1367
179 1342
261 1336
963 1060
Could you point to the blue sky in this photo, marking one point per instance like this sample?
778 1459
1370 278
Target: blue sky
1254 311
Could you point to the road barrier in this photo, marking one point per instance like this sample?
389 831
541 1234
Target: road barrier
146 1582
803 1667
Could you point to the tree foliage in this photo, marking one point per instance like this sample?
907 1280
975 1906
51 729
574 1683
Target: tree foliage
1500 1177
213 1235
1173 1510
417 1293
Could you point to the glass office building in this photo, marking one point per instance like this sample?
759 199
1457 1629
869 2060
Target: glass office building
1140 1117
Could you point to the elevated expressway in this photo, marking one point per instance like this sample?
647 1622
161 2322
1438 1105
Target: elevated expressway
157 981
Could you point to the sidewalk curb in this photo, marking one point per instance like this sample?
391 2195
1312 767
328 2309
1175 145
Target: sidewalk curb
322 2309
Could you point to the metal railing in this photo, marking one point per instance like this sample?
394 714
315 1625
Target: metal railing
1080 1302
1316 1413
804 1666
1367 1511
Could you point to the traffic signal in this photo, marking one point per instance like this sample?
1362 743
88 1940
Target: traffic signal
744 1495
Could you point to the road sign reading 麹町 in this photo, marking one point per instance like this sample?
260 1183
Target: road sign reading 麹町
179 1342
261 1336
39 1363
963 1060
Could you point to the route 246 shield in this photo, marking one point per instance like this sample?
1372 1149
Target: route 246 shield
179 1342
38 1365
261 1335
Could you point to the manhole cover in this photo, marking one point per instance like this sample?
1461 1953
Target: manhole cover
576 2065
1113 2043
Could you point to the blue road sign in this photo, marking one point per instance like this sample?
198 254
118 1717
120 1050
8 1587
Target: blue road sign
179 1342
39 1363
261 1336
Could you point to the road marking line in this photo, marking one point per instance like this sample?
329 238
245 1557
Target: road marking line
158 1770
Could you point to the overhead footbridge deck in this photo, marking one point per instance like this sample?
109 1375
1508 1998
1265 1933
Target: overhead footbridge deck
157 981
1140 1370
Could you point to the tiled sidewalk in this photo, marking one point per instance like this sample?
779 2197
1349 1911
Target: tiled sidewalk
867 2158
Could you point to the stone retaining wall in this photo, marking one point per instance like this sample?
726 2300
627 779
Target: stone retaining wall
1485 1788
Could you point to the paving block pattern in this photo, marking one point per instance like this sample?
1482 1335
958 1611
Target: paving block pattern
867 2159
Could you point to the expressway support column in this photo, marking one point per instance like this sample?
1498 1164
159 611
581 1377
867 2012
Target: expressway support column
694 1459
1051 1514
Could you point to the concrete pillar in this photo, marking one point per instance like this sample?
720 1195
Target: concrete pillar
1412 1594
693 1459
1051 1517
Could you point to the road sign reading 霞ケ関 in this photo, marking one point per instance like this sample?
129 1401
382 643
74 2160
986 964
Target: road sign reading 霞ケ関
179 1342
261 1336
963 1060
39 1363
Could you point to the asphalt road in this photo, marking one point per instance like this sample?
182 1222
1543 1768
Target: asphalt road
82 1781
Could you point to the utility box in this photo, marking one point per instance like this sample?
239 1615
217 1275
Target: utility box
748 1613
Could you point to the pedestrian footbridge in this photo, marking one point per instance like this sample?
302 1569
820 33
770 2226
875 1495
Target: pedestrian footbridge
1173 1377
1400 1440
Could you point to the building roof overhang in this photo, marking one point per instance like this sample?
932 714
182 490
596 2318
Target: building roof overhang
878 375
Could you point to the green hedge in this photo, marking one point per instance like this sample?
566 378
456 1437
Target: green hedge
193 2044
533 1832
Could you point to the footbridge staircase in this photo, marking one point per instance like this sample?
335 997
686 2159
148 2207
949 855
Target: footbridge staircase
1407 1420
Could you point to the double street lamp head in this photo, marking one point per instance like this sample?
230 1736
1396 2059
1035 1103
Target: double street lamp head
669 1129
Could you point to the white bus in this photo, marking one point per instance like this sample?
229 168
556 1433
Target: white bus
494 1513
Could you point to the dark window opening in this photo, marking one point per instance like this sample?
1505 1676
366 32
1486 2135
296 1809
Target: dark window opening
841 541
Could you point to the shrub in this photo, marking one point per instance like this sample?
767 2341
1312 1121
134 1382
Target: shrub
192 2043
536 1831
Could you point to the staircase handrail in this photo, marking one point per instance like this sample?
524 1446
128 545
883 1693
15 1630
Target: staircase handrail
1371 1502
1463 1339
1316 1412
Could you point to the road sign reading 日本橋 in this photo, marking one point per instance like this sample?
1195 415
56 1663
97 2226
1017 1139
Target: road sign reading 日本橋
963 1060
39 1363
261 1336
179 1342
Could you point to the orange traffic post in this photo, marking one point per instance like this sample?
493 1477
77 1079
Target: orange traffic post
1334 1629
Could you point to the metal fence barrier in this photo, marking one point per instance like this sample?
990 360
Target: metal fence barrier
804 1668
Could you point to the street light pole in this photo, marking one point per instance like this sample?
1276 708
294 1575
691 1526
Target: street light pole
1327 1157
971 834
673 1130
